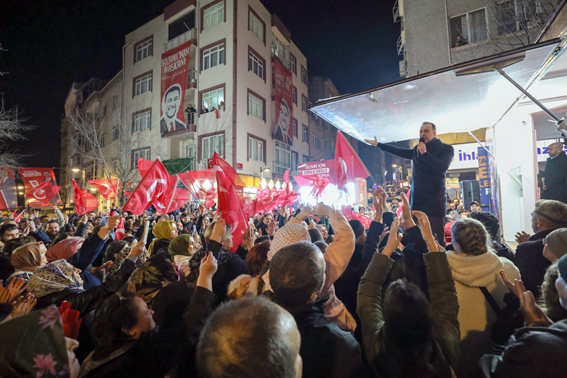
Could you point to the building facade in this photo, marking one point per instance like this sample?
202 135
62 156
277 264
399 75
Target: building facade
229 102
440 33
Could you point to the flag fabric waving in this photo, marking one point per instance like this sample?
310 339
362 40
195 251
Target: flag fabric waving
19 217
106 187
84 201
348 165
43 193
153 185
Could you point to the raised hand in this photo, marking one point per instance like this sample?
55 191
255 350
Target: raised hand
323 210
379 194
219 230
138 249
16 287
244 285
248 237
522 237
373 142
406 211
206 271
426 233
23 305
393 239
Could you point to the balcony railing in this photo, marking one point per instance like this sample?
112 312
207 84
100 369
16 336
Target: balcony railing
400 45
396 11
281 167
191 76
180 39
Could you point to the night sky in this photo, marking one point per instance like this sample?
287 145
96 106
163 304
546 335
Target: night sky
53 43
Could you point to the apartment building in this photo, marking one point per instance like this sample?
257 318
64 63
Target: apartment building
440 33
229 104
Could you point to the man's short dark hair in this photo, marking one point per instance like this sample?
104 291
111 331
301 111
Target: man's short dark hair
357 227
53 221
474 203
11 245
245 339
43 217
7 227
430 123
171 89
295 273
315 235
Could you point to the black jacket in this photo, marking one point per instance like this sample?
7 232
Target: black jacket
428 175
326 350
556 178
532 352
531 263
84 301
230 266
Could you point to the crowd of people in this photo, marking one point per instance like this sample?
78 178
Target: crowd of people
307 293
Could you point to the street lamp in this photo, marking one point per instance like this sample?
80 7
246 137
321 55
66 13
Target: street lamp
262 170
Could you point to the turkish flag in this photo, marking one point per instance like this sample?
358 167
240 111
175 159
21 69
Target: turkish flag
106 187
43 193
173 198
3 202
351 214
290 196
200 183
153 185
120 231
348 165
216 112
317 182
228 200
19 217
84 201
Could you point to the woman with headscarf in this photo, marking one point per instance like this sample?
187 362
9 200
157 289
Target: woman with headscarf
60 281
26 259
180 250
164 232
34 345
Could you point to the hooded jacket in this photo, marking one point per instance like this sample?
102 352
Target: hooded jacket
475 314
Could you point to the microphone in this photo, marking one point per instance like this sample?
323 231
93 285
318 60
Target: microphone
421 140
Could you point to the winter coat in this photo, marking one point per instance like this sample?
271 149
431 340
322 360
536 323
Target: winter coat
230 266
428 175
326 350
475 314
529 259
85 301
531 352
556 178
84 258
156 352
443 349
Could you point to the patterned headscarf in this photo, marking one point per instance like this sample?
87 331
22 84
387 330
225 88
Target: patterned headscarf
33 345
29 257
64 249
147 281
55 276
287 235
161 230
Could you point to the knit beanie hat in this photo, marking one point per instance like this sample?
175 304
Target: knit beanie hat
557 242
562 267
287 235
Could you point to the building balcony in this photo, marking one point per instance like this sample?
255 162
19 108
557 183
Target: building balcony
189 132
192 78
280 167
401 46
189 35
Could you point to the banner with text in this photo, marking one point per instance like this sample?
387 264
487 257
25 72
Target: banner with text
174 69
324 169
36 176
284 103
8 193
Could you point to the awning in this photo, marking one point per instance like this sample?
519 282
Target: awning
394 112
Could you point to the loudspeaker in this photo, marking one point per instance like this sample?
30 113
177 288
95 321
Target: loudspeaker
470 192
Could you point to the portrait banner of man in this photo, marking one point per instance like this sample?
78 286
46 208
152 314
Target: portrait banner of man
8 188
284 103
174 69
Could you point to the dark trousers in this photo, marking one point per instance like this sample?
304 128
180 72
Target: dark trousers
438 229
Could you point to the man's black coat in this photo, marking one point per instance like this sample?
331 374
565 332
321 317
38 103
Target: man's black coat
556 178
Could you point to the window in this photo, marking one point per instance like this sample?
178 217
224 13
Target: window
305 159
295 129
116 101
212 99
294 95
143 49
283 157
211 144
104 111
317 141
103 140
255 149
255 25
191 155
294 157
213 15
142 84
303 103
255 106
506 17
115 133
143 153
142 120
292 63
305 134
256 64
303 75
213 56
468 28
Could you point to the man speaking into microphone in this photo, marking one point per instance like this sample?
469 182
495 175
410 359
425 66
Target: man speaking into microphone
431 159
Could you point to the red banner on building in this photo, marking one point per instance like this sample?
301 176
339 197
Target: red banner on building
324 169
8 194
284 103
36 176
174 69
